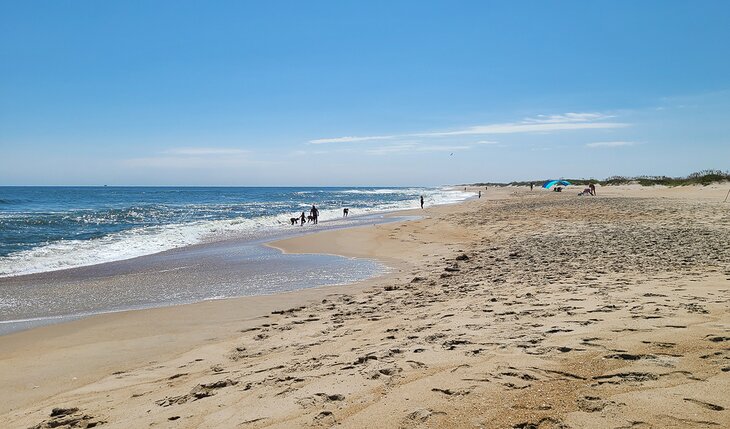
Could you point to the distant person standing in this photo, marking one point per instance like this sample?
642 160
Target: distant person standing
592 187
532 185
345 212
480 194
421 201
314 213
303 219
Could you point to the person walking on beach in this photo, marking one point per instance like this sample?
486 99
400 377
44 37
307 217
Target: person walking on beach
345 212
593 189
302 219
421 201
314 213
480 194
531 185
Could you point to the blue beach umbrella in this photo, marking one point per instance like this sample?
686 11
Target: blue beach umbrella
549 184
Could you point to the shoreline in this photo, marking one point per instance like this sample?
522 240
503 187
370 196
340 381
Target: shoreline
415 302
213 240
175 259
177 329
133 322
159 262
243 215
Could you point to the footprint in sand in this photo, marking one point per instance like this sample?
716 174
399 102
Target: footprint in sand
593 404
421 415
449 392
325 417
319 398
545 422
196 393
626 377
707 405
69 417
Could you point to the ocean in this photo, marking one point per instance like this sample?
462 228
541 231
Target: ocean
51 228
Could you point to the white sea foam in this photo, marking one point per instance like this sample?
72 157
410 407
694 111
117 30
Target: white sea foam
154 239
380 191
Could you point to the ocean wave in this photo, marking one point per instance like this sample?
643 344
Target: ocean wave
11 201
123 245
380 191
149 239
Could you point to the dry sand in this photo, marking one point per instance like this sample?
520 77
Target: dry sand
519 310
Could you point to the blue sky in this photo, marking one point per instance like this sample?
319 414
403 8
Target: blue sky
360 93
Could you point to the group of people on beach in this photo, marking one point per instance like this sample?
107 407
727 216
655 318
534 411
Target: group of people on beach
313 216
304 218
590 190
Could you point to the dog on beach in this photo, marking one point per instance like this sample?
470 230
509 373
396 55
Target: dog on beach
294 220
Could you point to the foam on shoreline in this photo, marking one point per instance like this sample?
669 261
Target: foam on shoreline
148 240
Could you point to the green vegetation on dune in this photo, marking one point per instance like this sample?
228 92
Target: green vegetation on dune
704 177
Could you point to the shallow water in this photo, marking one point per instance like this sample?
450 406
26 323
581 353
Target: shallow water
194 274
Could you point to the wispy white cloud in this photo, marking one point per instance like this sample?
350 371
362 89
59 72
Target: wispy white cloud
204 151
192 162
441 148
610 144
350 139
413 147
525 127
568 117
539 124
385 150
193 157
486 142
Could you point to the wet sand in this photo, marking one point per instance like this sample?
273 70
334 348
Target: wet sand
222 268
519 310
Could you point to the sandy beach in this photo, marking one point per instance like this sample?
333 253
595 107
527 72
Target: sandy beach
522 309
